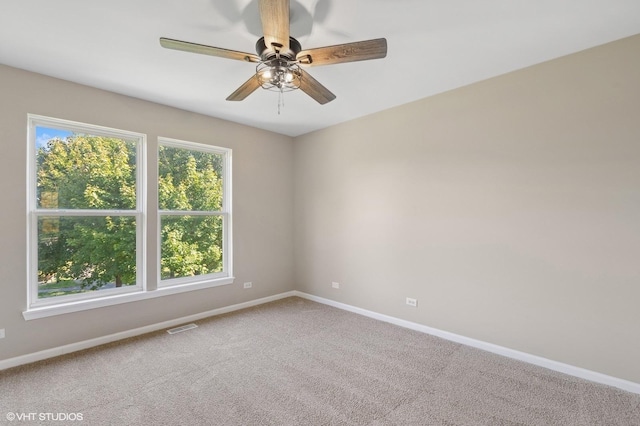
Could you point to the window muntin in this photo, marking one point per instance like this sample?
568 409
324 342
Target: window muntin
85 209
194 212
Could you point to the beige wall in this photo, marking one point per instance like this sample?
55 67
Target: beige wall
509 208
262 208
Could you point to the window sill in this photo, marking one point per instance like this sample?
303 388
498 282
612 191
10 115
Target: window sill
84 305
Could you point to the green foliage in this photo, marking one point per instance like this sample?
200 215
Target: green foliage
87 172
189 181
191 245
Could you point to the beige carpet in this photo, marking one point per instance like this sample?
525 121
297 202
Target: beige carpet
296 362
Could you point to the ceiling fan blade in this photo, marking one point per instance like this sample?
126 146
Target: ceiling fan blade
207 50
247 88
313 88
349 52
275 23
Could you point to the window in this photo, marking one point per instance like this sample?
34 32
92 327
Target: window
87 217
193 206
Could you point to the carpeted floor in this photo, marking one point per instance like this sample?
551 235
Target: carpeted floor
296 362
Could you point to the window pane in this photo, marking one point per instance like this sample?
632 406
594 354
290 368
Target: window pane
81 171
84 254
189 180
191 245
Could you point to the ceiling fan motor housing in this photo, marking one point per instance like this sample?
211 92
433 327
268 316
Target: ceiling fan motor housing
268 52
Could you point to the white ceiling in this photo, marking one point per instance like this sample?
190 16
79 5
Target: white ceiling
433 46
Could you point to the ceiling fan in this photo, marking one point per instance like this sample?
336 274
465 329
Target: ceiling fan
279 56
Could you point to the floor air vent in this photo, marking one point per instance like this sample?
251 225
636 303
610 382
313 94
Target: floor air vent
181 328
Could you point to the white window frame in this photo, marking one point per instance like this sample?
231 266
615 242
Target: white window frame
208 280
37 308
141 290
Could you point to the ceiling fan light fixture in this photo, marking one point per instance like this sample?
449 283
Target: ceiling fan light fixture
288 76
279 75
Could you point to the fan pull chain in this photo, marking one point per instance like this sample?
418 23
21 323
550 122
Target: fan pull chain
280 100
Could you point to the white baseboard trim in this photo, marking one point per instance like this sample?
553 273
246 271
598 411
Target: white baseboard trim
489 347
73 347
500 350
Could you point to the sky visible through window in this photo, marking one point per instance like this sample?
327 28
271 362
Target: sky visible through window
45 134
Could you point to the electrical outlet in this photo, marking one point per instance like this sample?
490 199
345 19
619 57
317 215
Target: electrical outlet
412 302
248 285
335 285
1 333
